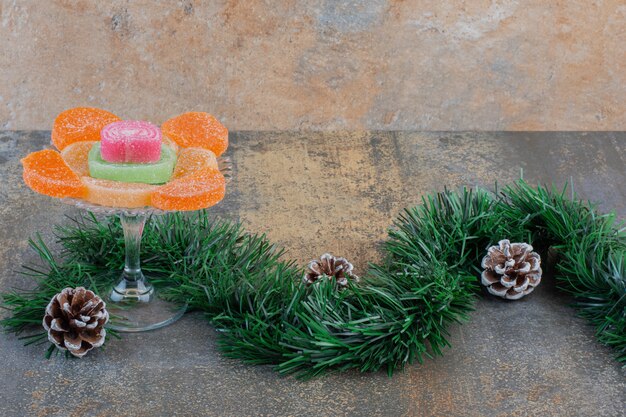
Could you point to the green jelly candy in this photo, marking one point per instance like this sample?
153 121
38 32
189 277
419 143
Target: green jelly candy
152 173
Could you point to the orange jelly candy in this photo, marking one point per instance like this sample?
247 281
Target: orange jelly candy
191 160
80 124
76 156
201 189
47 173
118 194
173 145
197 129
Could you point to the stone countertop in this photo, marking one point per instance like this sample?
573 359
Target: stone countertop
337 192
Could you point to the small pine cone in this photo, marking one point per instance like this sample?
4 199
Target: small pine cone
75 320
512 270
332 268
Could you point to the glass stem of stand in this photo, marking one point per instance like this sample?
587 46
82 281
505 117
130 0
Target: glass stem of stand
133 303
133 230
133 286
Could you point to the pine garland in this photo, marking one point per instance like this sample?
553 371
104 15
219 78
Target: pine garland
398 314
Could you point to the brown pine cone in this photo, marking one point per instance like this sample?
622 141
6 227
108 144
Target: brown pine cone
512 270
75 320
331 267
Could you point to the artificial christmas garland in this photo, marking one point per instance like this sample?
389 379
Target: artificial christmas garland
396 314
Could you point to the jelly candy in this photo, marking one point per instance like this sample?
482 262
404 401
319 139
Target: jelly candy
191 160
197 129
75 156
117 163
171 144
157 173
201 189
118 194
47 173
130 141
80 124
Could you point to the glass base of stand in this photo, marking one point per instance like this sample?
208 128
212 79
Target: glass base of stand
139 312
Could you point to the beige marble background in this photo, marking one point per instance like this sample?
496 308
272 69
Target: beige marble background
315 64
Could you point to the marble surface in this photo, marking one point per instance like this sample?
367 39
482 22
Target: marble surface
319 64
316 192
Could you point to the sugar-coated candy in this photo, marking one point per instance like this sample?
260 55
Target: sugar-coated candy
201 189
191 160
132 141
197 129
156 173
76 156
118 194
128 164
80 124
47 173
172 145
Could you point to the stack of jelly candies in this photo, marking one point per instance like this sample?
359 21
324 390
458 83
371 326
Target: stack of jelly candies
123 163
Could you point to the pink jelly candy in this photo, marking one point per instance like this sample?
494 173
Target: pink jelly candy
131 141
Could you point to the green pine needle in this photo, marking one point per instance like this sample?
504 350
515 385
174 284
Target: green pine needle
400 312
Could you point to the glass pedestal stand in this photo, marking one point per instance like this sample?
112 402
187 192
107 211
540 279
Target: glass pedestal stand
133 301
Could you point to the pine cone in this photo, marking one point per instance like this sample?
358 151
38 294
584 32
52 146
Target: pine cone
75 320
331 267
512 270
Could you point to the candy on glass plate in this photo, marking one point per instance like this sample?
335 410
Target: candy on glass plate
80 124
118 194
203 188
197 129
191 160
158 172
131 141
190 143
76 156
47 173
111 166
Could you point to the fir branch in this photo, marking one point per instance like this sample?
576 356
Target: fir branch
398 315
